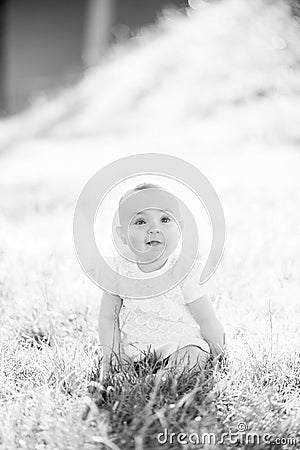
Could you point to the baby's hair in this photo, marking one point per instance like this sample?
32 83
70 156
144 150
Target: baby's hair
141 187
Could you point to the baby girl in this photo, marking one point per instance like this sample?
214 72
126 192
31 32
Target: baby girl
179 324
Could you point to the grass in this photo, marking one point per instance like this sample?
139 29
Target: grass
236 118
166 397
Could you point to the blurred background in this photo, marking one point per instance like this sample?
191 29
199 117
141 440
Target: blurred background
84 83
45 46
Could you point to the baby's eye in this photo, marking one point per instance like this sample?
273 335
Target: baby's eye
165 219
139 222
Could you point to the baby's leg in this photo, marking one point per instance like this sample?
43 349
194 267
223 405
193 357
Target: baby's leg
189 356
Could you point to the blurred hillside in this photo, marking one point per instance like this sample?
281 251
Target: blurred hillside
45 46
228 66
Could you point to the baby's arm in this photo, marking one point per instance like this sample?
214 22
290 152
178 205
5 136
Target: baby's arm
211 328
108 328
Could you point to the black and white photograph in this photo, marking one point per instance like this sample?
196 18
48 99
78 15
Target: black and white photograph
149 224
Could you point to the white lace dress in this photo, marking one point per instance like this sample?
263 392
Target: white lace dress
163 322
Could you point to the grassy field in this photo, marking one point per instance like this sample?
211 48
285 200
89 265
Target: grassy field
221 89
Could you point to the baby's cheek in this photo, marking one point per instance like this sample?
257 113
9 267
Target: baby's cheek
174 235
136 240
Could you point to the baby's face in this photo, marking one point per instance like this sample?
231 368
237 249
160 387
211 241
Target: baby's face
152 232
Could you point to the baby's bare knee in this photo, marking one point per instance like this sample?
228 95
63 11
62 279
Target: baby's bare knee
190 355
197 355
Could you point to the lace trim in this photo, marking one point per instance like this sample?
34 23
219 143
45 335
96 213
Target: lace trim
158 320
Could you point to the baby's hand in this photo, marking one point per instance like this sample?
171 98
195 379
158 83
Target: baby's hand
125 358
115 363
217 354
103 372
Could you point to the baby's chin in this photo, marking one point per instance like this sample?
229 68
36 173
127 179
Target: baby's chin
154 253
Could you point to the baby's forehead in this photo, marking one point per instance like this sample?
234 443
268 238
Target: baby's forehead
148 200
148 211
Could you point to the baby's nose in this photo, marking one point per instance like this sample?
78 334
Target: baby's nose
154 230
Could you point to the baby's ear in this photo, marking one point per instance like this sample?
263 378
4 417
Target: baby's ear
121 234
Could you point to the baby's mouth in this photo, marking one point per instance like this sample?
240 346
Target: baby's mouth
153 243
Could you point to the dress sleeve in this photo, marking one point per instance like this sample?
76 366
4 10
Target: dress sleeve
190 287
112 262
